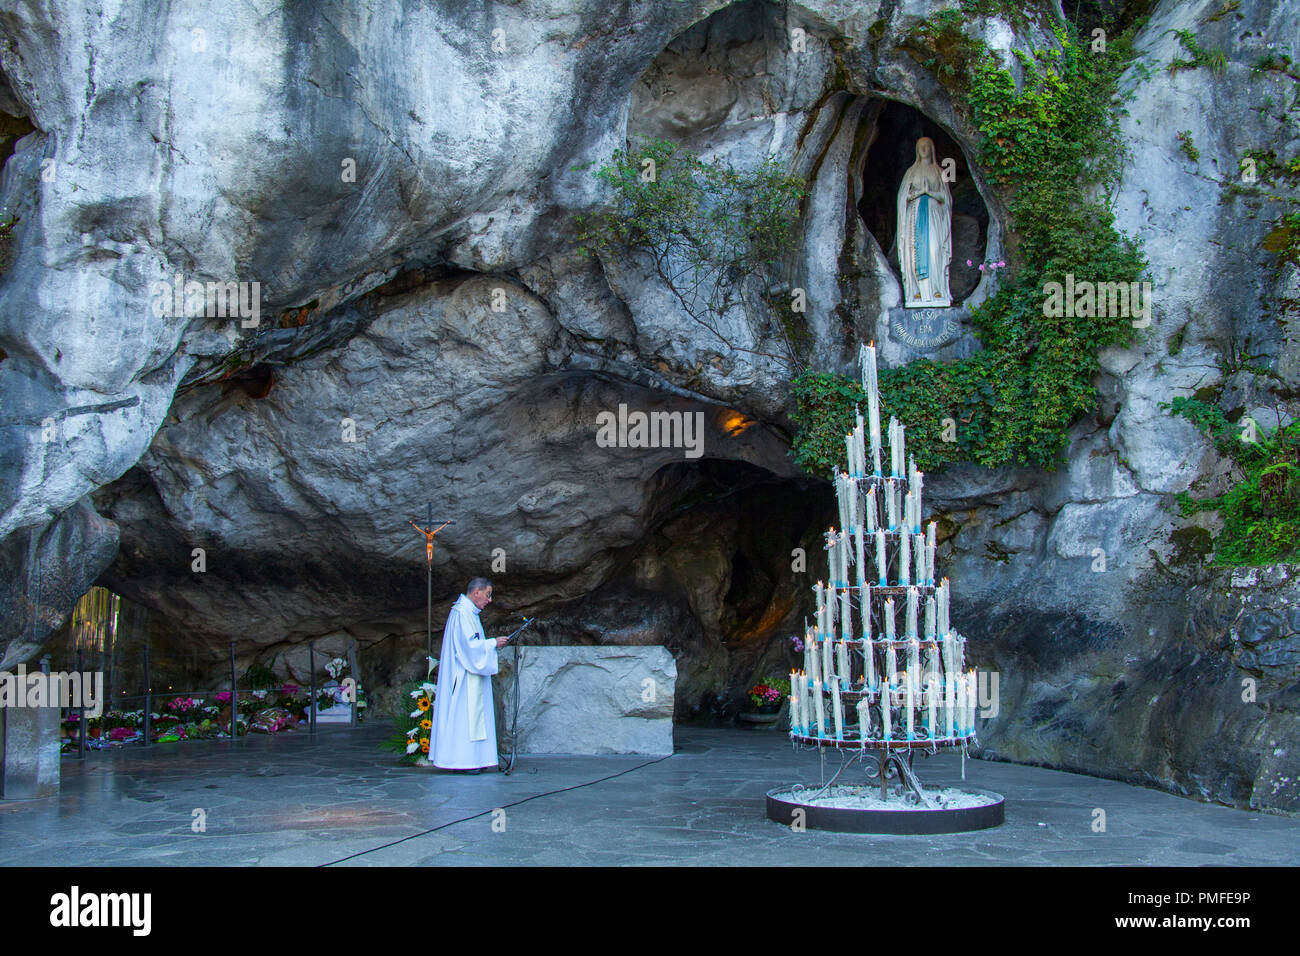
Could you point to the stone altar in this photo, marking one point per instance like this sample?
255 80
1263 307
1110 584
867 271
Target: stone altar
587 700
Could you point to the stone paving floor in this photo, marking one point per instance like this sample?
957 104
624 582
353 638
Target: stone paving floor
292 800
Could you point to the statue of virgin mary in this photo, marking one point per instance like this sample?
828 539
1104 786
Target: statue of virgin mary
925 231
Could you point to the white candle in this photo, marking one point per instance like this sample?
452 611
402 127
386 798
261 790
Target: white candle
820 606
886 700
914 659
842 652
889 623
902 448
860 555
918 552
828 662
864 718
929 618
851 486
880 557
907 684
972 702
904 561
818 710
845 616
961 705
909 626
809 655
916 496
871 507
868 652
841 498
838 706
871 386
932 692
949 690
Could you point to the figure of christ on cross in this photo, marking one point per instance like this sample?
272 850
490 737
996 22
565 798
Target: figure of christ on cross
428 538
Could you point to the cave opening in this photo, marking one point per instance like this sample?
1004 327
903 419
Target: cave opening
893 129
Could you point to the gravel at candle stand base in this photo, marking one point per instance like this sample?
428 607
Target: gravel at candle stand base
868 798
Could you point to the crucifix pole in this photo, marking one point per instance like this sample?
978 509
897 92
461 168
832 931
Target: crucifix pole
428 641
428 533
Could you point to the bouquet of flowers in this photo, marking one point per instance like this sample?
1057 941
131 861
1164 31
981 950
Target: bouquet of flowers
413 729
770 692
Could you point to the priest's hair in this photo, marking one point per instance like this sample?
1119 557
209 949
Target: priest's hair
478 584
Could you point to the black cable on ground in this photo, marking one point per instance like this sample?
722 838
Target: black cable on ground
484 813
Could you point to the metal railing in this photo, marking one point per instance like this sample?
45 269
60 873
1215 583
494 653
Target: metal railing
149 695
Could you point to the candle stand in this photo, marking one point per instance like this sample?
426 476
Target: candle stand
873 690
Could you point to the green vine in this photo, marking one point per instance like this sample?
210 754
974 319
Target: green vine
1261 513
1048 144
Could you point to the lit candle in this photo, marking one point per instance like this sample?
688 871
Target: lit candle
842 498
913 599
916 497
838 707
851 486
886 701
794 710
828 662
850 457
821 608
880 557
870 385
929 618
871 507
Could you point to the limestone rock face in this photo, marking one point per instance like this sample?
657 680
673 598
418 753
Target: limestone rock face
401 180
587 700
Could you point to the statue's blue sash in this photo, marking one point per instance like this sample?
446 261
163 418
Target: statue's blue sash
923 238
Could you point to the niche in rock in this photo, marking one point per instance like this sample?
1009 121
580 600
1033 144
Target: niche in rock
892 131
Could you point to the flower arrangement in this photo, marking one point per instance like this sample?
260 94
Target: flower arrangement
182 705
414 730
770 692
336 667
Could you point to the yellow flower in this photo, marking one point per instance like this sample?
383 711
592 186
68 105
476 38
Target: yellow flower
422 703
424 745
426 725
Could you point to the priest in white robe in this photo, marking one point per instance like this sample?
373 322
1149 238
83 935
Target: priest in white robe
464 726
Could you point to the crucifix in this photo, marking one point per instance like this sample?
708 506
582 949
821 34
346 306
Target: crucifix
428 558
